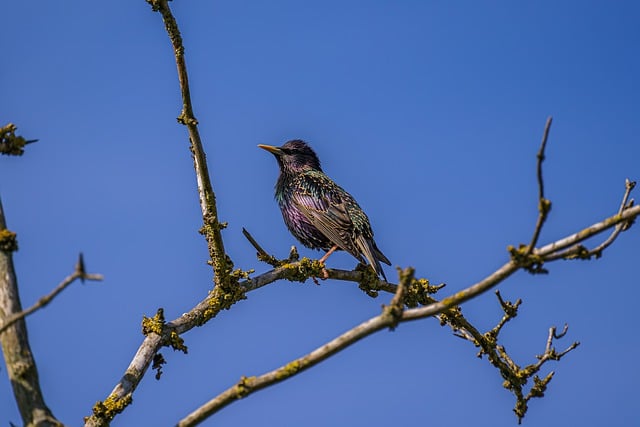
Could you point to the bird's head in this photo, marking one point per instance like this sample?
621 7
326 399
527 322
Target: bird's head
294 156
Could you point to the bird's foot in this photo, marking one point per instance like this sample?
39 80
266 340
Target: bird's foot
324 276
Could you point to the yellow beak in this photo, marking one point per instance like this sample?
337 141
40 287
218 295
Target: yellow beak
271 149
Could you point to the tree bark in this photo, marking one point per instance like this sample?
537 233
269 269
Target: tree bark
21 366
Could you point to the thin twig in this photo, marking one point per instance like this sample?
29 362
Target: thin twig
581 252
262 254
544 205
629 186
79 273
549 250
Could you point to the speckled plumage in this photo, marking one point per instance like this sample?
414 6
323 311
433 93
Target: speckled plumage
317 211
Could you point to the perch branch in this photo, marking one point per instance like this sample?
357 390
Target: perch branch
248 385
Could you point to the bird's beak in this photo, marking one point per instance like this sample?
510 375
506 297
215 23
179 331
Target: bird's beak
271 149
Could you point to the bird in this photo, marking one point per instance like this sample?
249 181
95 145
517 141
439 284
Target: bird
317 211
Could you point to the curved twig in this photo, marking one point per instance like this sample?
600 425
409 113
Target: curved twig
544 205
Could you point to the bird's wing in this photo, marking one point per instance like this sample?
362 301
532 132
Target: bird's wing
329 215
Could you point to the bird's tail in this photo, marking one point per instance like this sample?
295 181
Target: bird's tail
373 255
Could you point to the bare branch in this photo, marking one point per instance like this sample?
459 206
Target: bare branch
21 365
219 299
544 205
211 224
510 267
248 385
540 385
629 186
79 273
549 251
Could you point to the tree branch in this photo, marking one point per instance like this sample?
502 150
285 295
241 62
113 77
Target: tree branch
498 357
79 273
248 385
578 251
21 365
301 270
211 228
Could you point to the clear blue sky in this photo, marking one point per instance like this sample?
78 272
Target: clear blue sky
429 113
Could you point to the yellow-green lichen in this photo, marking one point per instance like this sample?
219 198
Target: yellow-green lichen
8 241
176 342
369 281
531 262
153 324
111 407
244 386
544 206
580 252
289 369
419 291
302 270
220 299
11 144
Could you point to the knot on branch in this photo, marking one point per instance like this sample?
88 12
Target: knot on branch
393 312
153 324
220 299
8 241
452 317
302 270
419 292
244 386
369 281
183 118
157 325
581 252
544 206
527 259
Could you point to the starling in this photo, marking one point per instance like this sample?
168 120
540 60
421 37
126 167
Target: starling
317 211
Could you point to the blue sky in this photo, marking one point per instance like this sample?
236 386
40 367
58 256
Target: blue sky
429 113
